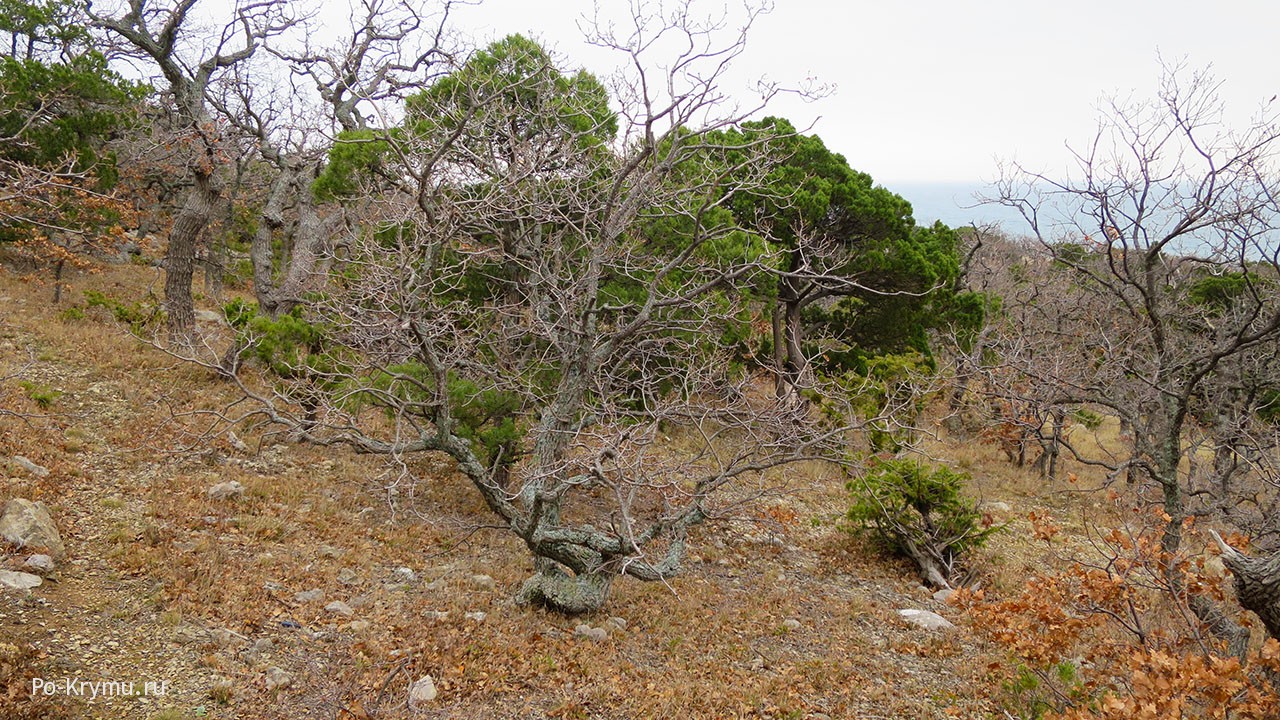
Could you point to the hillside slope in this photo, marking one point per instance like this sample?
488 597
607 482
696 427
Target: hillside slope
222 603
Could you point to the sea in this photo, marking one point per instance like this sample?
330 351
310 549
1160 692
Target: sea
958 204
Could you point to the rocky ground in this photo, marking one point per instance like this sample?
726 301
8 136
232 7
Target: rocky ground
249 577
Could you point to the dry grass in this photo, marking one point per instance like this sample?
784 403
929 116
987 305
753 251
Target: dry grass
714 643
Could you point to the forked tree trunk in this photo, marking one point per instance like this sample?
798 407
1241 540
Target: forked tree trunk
932 572
1257 581
280 289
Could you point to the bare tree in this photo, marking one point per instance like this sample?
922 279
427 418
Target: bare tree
1165 202
167 36
391 47
540 296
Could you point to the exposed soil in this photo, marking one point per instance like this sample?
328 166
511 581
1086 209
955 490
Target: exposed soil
164 585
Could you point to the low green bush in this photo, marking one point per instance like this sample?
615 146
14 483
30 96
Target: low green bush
919 512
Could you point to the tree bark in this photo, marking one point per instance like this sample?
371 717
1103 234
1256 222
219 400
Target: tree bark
788 334
261 250
553 588
311 241
180 259
1257 582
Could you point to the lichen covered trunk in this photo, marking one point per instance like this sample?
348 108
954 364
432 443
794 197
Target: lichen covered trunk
553 588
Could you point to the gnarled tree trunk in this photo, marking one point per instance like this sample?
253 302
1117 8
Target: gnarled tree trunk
555 589
1257 583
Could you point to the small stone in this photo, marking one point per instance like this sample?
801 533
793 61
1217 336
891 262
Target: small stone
925 619
188 633
791 624
339 608
437 615
272 586
277 678
484 582
40 565
944 595
230 490
11 580
617 622
263 645
359 626
347 576
995 507
236 443
421 692
34 469
315 595
586 631
405 574
477 616
225 637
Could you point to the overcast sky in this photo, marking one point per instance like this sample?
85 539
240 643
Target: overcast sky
938 90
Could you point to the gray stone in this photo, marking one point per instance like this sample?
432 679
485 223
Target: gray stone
925 619
40 565
477 616
405 574
347 576
421 692
27 524
315 595
359 626
484 582
791 624
437 615
277 678
944 595
236 443
230 490
10 580
188 633
617 622
34 469
586 631
263 645
226 638
340 608
995 507
209 316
